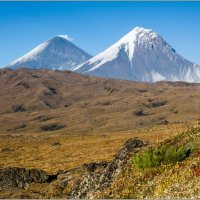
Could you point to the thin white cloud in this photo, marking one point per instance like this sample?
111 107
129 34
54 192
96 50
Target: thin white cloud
66 37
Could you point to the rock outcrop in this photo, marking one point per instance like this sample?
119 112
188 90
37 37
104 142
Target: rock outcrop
96 181
20 177
80 182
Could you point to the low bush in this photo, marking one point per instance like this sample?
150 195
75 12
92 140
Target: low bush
164 154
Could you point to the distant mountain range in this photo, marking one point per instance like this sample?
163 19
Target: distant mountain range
141 55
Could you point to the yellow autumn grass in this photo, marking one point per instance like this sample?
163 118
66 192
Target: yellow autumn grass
52 152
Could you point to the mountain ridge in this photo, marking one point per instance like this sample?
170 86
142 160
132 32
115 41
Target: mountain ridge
141 55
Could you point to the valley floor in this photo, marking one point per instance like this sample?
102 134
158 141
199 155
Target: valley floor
58 163
52 152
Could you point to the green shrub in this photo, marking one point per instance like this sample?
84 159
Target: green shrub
154 157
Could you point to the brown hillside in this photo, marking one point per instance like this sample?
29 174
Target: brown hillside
33 101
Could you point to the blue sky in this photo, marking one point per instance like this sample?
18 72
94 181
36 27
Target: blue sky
96 25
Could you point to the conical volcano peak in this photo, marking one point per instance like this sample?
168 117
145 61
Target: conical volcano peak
141 55
60 39
56 53
139 34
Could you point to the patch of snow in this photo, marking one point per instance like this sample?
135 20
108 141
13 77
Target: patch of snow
157 77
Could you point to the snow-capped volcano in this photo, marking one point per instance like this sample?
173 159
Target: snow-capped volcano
56 53
141 55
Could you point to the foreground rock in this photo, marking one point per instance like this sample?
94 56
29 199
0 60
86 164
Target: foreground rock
20 177
96 181
81 182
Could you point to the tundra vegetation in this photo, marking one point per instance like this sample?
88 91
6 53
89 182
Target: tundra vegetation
65 126
169 169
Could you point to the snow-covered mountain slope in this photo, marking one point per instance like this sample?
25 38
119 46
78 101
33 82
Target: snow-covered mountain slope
141 55
57 53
